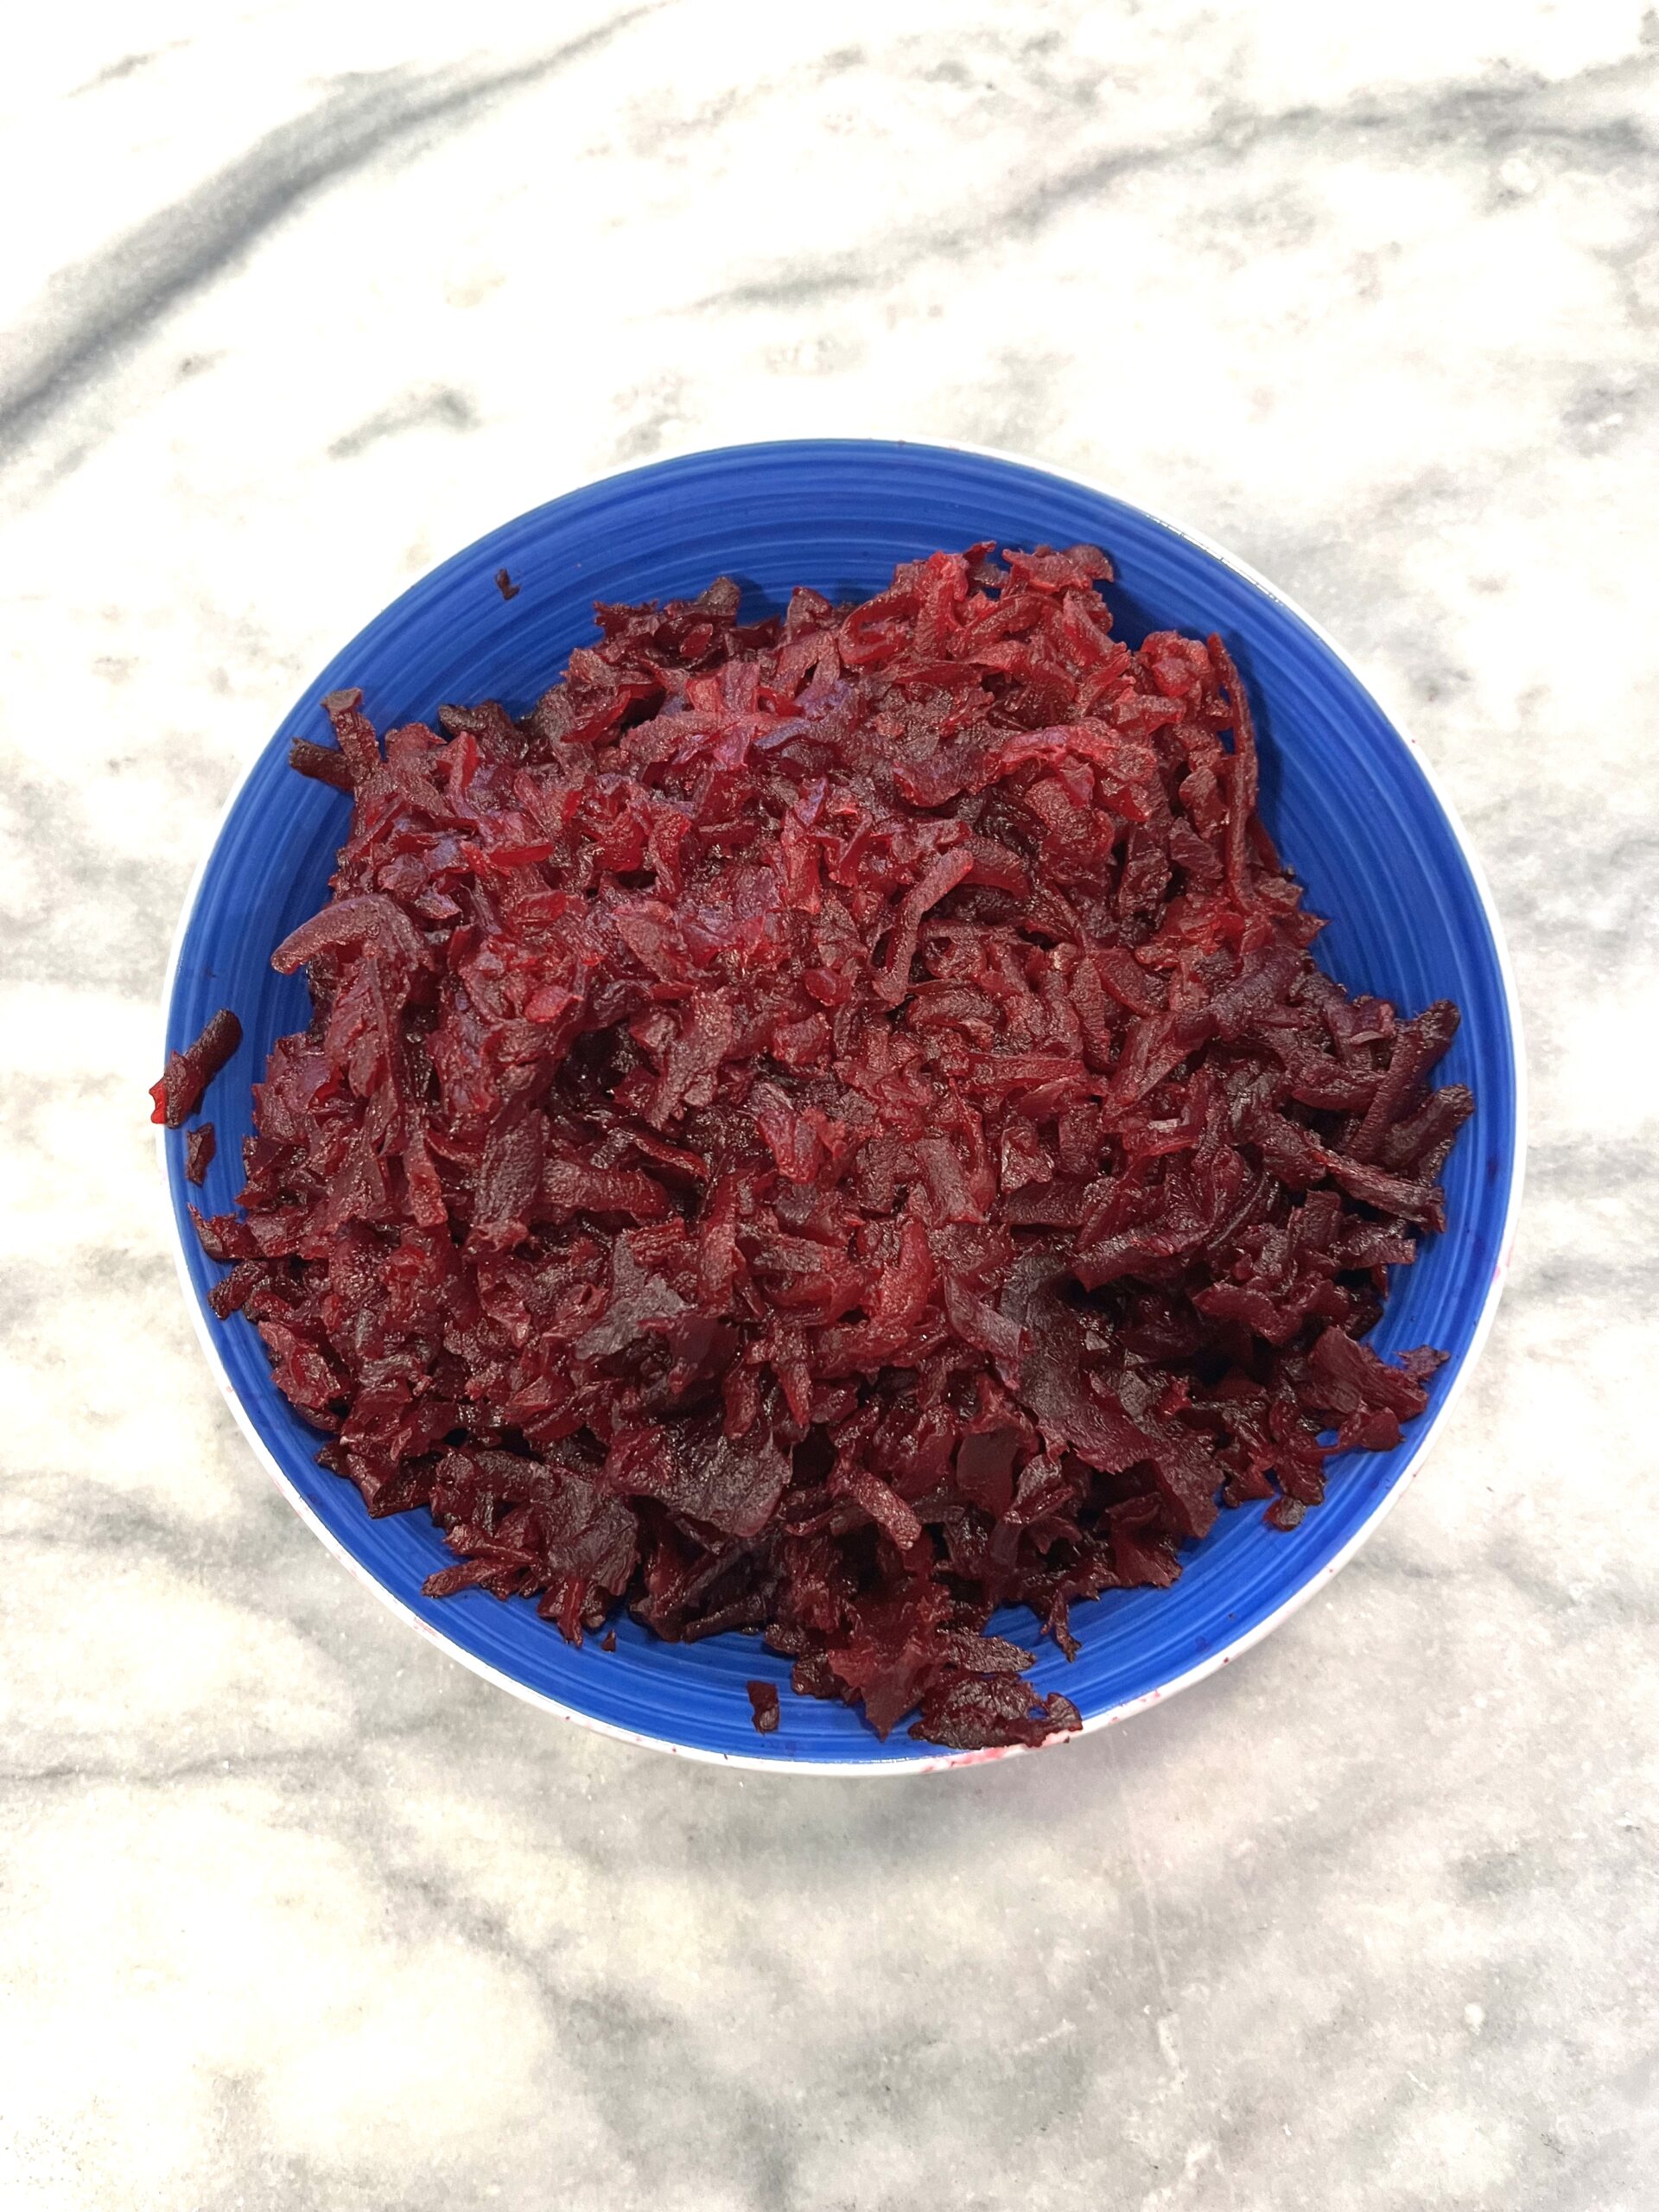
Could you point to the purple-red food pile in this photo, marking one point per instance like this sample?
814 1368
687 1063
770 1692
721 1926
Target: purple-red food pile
830 1127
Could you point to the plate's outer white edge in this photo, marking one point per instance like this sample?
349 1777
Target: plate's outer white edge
1216 1660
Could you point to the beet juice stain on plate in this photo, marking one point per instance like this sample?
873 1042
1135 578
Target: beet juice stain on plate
827 1124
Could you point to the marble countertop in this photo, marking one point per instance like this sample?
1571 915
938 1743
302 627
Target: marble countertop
298 1914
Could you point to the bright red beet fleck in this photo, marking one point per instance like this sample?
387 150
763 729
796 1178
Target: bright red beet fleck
831 1126
199 1146
189 1072
763 1697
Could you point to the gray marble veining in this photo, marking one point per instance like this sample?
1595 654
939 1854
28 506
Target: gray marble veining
298 299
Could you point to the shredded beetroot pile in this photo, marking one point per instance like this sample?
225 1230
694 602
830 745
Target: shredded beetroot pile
830 1127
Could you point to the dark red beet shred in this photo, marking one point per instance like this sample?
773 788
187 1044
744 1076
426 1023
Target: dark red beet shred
830 1126
179 1093
324 764
764 1707
199 1146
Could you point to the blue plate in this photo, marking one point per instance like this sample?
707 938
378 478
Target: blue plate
1348 801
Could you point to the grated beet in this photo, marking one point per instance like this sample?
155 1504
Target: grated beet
199 1146
830 1126
763 1701
189 1072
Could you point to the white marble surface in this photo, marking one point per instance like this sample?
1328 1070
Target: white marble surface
300 298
